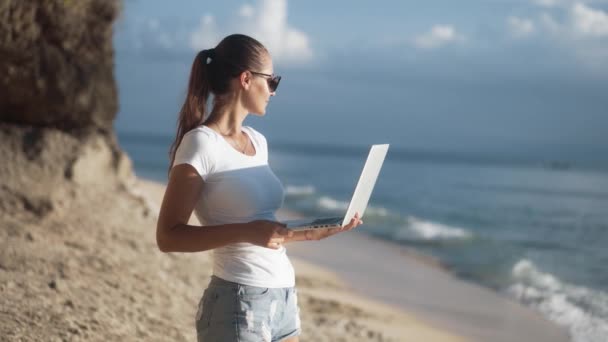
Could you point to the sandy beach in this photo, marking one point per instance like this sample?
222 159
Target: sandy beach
418 285
384 291
330 310
90 270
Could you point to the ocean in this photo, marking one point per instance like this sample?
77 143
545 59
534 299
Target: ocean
535 231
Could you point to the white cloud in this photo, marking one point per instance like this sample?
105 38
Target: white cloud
519 27
266 22
206 34
438 36
588 21
246 11
580 30
148 33
549 23
547 3
578 21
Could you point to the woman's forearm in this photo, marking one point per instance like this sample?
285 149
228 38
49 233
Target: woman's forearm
186 238
297 236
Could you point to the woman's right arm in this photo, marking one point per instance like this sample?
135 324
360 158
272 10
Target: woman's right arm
173 234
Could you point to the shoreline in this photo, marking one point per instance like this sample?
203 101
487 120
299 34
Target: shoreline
425 292
408 280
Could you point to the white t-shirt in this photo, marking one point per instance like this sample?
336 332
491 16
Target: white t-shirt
238 188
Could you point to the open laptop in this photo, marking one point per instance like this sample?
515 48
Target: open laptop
360 198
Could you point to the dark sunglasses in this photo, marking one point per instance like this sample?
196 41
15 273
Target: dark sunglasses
273 81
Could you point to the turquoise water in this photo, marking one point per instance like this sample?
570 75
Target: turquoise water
535 232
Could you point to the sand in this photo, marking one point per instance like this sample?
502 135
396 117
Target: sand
411 296
92 272
330 311
420 286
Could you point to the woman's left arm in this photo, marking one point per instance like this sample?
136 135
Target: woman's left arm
320 234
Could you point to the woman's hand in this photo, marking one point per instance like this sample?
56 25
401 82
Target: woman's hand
268 234
319 234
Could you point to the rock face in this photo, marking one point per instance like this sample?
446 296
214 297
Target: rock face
58 100
57 63
43 168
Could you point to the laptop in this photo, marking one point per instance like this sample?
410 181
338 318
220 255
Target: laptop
358 202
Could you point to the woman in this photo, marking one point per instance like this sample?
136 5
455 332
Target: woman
220 170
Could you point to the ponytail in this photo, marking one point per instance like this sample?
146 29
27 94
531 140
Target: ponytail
193 110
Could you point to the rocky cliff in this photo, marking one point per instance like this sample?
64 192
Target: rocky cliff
58 100
78 257
57 63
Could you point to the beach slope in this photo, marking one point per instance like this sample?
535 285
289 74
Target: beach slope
90 270
394 274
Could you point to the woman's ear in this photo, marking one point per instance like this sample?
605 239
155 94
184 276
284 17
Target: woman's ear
245 79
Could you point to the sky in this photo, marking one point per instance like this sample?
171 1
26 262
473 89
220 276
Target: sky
512 76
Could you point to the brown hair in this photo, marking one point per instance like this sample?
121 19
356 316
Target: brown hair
211 73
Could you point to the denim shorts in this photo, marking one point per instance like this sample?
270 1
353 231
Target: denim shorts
234 312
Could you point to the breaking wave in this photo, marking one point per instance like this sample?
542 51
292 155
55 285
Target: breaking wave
584 311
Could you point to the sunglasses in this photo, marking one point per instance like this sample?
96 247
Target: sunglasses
273 81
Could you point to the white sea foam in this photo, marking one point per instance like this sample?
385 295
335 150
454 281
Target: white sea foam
297 190
419 229
328 203
584 311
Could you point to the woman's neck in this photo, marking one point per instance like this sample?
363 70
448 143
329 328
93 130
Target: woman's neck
228 120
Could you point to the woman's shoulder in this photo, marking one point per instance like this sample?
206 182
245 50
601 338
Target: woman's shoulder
200 139
257 135
203 134
197 148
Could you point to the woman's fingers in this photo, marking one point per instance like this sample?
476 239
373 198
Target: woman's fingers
354 222
274 244
327 232
277 240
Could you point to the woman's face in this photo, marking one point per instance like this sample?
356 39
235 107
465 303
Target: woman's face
259 92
